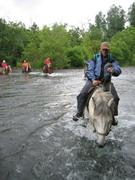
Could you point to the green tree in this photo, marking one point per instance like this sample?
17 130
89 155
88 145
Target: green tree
92 40
12 41
3 38
31 51
34 27
123 46
131 15
75 36
122 51
100 23
55 42
115 20
77 56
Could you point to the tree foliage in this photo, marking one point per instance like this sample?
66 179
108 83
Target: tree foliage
77 56
100 23
131 15
115 20
123 46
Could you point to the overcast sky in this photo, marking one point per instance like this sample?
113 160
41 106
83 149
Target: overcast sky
47 12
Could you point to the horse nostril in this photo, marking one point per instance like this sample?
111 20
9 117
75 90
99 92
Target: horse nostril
100 145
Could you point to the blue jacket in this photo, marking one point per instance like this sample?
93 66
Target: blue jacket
94 68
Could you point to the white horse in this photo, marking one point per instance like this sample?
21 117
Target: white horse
101 110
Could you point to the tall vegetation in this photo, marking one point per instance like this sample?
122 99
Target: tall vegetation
69 47
131 15
115 20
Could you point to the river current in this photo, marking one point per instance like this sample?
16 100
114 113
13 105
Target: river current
40 141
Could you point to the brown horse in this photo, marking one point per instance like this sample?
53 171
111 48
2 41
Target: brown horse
24 70
7 71
47 69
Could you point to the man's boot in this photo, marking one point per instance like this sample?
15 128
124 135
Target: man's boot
81 102
114 121
79 115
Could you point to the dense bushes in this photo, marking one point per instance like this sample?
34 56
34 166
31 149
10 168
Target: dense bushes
77 56
123 46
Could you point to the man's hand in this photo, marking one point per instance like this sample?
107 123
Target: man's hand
96 82
111 70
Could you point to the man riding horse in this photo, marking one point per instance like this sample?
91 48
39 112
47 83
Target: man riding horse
95 75
26 68
5 68
47 68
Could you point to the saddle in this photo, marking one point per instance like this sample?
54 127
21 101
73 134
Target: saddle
90 93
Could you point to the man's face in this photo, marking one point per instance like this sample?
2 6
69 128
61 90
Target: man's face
104 52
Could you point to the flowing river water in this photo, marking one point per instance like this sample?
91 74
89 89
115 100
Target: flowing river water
40 141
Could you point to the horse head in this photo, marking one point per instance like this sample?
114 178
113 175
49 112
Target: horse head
101 110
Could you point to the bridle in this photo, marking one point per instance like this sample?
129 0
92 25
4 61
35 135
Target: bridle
103 134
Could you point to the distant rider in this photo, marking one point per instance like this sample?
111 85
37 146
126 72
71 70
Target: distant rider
4 65
25 66
47 62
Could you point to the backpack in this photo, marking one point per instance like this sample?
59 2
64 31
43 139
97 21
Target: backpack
110 57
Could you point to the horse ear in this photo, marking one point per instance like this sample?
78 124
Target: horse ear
111 103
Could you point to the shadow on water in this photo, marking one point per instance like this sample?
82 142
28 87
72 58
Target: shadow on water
39 140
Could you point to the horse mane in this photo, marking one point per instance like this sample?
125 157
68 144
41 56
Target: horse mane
101 99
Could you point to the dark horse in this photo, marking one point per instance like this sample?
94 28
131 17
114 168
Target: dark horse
47 69
24 70
7 71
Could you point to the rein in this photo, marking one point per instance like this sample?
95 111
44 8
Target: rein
104 81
